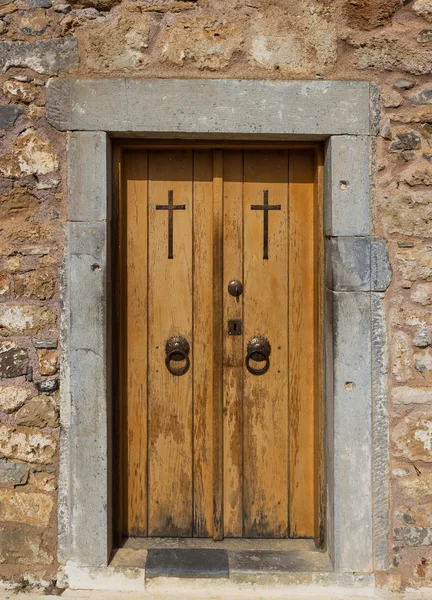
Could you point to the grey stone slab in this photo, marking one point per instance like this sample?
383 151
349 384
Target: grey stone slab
88 386
347 186
352 430
278 562
13 363
413 536
193 106
9 113
13 473
381 271
88 178
307 578
350 264
380 435
190 562
358 264
51 57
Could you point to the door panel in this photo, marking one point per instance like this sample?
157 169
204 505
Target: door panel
233 345
203 363
303 302
218 451
134 276
265 444
170 314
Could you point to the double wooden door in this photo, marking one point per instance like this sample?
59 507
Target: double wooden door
218 342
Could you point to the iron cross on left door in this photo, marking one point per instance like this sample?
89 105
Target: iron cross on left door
265 207
170 207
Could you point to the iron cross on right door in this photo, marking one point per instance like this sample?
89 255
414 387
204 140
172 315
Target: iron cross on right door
220 309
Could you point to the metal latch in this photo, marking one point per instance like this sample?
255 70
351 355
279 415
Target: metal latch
235 327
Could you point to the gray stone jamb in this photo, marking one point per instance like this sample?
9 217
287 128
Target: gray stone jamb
357 273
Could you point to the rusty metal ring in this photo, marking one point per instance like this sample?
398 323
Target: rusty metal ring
177 355
265 357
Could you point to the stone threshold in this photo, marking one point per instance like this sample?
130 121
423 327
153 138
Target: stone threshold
149 563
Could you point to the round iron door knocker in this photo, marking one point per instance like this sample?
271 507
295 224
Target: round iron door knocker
177 350
258 350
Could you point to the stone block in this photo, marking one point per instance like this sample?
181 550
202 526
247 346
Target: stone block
380 434
39 412
392 53
13 363
88 157
50 58
410 140
47 362
401 357
19 91
87 386
9 113
346 187
423 96
23 546
31 155
412 436
351 422
25 507
120 579
29 445
412 486
408 213
37 285
414 264
411 395
213 47
12 473
13 397
24 319
246 564
423 8
413 536
187 562
209 106
291 45
359 264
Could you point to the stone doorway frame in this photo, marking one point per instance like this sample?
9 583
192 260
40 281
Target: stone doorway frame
343 114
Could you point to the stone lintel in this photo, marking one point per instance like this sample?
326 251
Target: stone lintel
358 264
350 418
88 179
347 186
88 386
212 106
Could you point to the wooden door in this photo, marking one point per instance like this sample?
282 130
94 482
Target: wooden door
218 391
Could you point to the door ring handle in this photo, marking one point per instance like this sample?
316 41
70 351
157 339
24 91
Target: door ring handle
265 358
176 350
259 350
172 356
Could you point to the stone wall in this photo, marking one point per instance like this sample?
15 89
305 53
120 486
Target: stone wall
385 41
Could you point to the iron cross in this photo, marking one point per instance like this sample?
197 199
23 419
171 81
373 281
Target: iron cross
170 207
265 207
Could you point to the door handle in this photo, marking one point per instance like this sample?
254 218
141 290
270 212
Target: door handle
177 349
258 350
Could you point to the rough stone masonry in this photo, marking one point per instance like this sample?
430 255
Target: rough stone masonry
388 42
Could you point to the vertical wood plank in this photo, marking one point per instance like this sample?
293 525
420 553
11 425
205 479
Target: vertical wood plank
135 329
266 314
218 342
320 479
302 343
170 314
233 346
120 404
203 336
